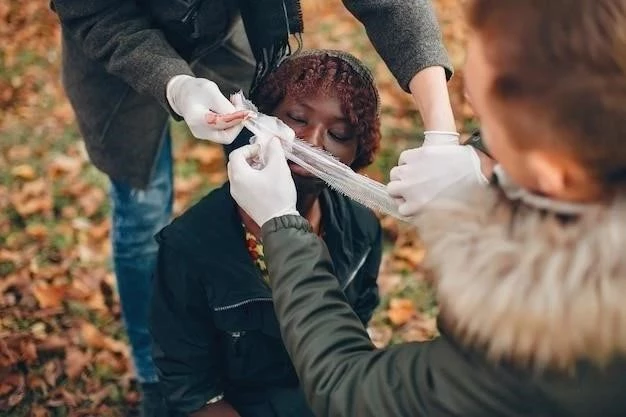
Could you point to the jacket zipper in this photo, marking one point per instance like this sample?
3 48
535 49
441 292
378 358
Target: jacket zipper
242 303
266 299
357 269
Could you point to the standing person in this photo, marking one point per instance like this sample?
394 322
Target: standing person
129 65
530 273
217 343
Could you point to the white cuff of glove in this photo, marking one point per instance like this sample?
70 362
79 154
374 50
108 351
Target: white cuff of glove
174 85
437 137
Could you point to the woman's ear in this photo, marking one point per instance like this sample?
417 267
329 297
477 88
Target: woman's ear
549 171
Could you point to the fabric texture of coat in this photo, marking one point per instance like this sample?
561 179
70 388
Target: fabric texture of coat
532 315
118 56
214 328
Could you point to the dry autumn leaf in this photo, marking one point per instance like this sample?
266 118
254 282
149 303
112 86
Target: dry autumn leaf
24 171
49 296
401 310
75 362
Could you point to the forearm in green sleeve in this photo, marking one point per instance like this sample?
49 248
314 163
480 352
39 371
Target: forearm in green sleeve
341 372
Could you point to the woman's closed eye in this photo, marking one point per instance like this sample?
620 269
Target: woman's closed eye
297 118
339 136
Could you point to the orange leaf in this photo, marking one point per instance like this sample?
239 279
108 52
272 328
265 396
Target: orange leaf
75 362
24 171
49 296
401 310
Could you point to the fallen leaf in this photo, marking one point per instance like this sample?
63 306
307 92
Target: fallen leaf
28 351
39 411
99 396
411 255
94 338
24 171
49 296
400 311
51 372
19 153
75 362
92 201
37 231
207 155
63 164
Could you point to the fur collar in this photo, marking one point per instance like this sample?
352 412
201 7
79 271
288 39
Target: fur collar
527 283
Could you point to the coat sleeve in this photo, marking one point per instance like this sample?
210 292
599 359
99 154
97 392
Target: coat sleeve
119 34
184 338
366 280
341 372
405 33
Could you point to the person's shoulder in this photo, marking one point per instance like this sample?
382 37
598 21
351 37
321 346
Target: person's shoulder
202 220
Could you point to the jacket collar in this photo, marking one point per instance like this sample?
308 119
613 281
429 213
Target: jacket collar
527 281
214 223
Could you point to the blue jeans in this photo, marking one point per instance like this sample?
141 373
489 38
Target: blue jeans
137 216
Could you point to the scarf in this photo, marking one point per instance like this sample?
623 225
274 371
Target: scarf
268 24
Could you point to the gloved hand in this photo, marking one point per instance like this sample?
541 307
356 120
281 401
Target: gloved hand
266 192
206 111
439 168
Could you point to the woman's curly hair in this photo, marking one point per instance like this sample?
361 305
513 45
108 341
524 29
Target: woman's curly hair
332 72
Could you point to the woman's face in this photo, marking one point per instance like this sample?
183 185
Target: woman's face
319 120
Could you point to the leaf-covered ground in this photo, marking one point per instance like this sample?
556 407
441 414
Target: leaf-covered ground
63 351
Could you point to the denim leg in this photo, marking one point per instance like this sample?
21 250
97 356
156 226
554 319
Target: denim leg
137 216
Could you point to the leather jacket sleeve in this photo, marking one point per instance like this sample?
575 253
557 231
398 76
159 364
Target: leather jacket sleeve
120 35
405 33
184 338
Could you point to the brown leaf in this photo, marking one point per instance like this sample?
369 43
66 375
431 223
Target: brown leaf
92 201
112 361
419 329
75 362
51 372
63 164
28 351
207 155
39 411
52 342
413 256
401 310
99 396
37 231
19 153
49 296
96 339
18 383
24 171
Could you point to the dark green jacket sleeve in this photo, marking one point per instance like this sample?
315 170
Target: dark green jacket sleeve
120 35
405 33
341 372
184 338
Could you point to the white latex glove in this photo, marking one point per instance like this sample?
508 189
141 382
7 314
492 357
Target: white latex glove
206 111
266 192
439 168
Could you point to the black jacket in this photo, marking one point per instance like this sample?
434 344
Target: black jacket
212 317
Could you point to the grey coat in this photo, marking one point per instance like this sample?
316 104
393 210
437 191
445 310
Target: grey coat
118 56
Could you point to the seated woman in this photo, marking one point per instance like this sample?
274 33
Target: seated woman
217 342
